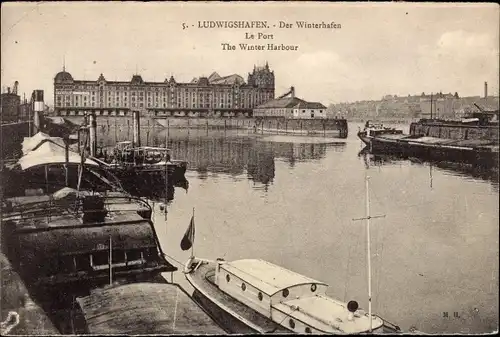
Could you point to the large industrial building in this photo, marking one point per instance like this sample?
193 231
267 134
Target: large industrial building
203 96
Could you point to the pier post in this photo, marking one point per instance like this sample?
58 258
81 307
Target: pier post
136 128
147 135
93 135
79 141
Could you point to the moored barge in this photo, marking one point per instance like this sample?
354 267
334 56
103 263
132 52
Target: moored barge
472 140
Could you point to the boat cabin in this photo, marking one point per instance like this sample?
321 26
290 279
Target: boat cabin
125 153
297 302
62 240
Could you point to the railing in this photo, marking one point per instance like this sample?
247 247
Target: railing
50 207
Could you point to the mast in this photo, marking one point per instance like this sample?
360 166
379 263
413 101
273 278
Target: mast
431 105
368 252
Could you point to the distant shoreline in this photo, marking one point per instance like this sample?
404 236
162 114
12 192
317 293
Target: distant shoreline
392 120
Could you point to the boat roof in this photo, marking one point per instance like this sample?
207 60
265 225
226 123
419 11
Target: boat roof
265 276
328 311
32 143
145 308
51 153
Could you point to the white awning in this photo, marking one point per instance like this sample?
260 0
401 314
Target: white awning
50 153
32 143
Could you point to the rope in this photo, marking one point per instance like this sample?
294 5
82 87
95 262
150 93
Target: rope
174 259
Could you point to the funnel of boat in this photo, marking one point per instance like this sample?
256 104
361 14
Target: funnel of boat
352 306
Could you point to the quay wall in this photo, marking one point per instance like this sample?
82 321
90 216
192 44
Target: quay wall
249 123
326 127
15 298
172 122
458 132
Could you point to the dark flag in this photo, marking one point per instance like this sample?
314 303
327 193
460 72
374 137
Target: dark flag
188 238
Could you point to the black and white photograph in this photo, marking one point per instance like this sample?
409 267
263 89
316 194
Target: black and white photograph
245 168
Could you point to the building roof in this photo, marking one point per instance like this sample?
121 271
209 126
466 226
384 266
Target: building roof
290 102
285 102
213 77
310 105
265 276
230 79
137 79
63 76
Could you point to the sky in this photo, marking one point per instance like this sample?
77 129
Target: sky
380 49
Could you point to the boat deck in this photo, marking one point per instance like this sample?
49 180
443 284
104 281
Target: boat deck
445 142
202 279
144 308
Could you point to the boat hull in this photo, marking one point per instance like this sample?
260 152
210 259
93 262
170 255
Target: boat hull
411 147
151 180
364 138
232 315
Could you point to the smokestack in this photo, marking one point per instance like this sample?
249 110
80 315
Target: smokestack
14 90
136 128
485 89
38 106
93 135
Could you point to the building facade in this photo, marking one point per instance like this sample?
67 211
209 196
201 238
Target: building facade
10 107
203 96
290 107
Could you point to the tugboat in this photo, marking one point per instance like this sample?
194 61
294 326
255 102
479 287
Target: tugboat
143 167
376 129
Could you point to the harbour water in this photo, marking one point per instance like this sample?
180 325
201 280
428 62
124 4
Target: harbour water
292 201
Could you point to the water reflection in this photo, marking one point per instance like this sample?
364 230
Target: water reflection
236 153
464 170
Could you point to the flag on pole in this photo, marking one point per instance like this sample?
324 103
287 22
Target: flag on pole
188 238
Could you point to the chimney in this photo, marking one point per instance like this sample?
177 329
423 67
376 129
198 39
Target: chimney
485 89
8 90
292 92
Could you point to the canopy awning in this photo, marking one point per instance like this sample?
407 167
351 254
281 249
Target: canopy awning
51 153
32 143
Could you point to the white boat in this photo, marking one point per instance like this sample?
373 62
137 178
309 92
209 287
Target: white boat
256 296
